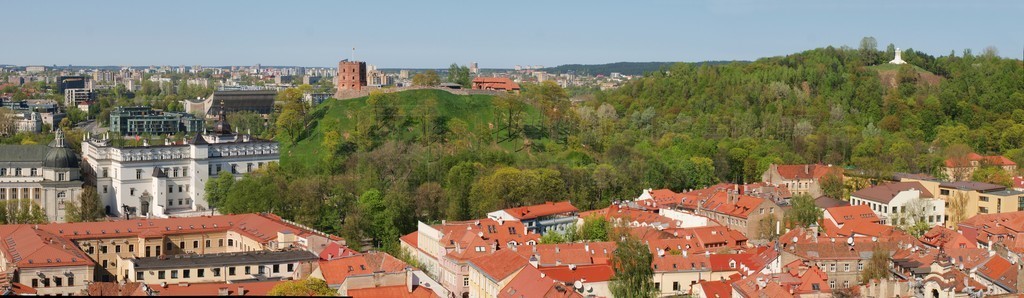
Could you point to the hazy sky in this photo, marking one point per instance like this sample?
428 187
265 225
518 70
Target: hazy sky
422 34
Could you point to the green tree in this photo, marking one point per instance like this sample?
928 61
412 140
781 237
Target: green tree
992 174
634 276
832 186
459 183
290 121
218 188
877 267
87 207
804 213
595 228
305 287
459 75
427 78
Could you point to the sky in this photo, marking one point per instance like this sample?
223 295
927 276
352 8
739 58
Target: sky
495 34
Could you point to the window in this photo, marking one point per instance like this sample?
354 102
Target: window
657 285
168 248
175 172
231 242
184 171
170 188
815 287
846 267
138 174
832 267
218 168
220 242
262 270
131 191
181 244
71 281
832 284
234 169
277 268
983 199
61 177
180 202
846 284
208 242
982 209
138 276
17 172
248 167
291 267
3 171
33 172
117 248
170 202
174 274
103 249
186 273
160 274
216 271
58 282
465 281
248 270
35 283
147 251
200 272
480 249
195 244
105 173
675 286
104 189
944 192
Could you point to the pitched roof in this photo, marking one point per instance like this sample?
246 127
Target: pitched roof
884 193
995 160
939 236
591 273
973 185
716 289
742 206
499 265
844 214
28 247
532 282
808 171
1000 271
113 288
546 209
335 250
825 202
256 288
468 235
335 271
568 253
392 291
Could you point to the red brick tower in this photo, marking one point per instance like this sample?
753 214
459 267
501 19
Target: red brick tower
351 75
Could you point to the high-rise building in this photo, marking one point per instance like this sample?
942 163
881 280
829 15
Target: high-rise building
473 68
70 82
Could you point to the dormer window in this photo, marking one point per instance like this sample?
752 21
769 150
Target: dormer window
732 264
481 249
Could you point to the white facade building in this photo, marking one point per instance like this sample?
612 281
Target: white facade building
169 180
901 203
48 176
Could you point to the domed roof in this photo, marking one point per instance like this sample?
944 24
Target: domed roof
60 157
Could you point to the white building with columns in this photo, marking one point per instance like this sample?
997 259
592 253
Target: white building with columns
169 180
46 175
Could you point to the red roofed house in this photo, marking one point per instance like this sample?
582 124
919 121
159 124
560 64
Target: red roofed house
489 274
961 168
540 218
377 274
713 289
740 212
256 288
942 237
48 263
842 215
800 179
531 282
593 278
498 84
1000 276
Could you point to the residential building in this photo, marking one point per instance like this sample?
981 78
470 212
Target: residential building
593 280
533 282
901 203
962 168
740 212
218 267
248 288
497 84
490 273
842 259
46 175
79 98
965 199
841 216
800 179
541 218
42 260
145 120
169 179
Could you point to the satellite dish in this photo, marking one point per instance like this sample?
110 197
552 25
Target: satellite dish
480 234
795 239
849 240
578 284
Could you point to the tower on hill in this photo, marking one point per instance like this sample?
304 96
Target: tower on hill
351 76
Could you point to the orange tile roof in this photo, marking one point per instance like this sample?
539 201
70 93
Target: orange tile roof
1000 271
114 289
499 265
28 247
995 160
939 236
809 171
591 273
716 289
541 210
742 207
337 270
392 291
469 235
412 239
886 192
531 282
844 214
258 288
675 263
568 253
262 227
721 262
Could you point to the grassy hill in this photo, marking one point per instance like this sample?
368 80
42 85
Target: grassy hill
477 111
887 73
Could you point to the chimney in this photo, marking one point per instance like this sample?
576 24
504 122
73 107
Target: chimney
807 169
241 291
222 292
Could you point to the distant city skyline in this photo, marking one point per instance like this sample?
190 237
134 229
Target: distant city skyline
418 34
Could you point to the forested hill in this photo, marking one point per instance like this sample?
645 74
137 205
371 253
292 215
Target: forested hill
626 68
828 105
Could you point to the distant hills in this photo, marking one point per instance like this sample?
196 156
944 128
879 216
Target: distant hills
626 68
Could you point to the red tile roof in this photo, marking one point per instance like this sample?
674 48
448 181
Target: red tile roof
392 291
716 289
28 247
335 250
337 270
844 214
1000 271
591 273
259 288
729 262
114 289
741 207
499 265
808 171
675 263
568 253
939 236
541 210
262 227
995 160
412 239
531 282
468 235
